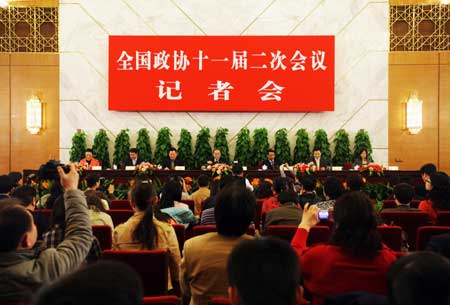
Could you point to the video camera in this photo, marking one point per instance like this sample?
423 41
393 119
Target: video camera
48 171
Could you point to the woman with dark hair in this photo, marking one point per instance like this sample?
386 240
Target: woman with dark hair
97 213
144 231
170 204
264 190
363 158
355 258
438 187
55 234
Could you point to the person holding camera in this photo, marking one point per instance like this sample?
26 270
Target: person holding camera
22 269
355 259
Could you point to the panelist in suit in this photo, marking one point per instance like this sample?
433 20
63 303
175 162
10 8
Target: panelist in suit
318 161
270 162
172 160
133 158
216 158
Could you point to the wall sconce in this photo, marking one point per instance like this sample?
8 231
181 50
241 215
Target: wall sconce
414 114
34 115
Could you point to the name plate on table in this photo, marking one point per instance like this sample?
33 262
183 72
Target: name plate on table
244 168
180 168
96 168
130 168
393 168
336 168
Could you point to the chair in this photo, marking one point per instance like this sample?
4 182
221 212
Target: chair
119 216
180 231
151 265
161 300
408 220
424 235
389 204
219 301
120 205
200 230
391 236
317 234
190 203
443 218
104 236
415 203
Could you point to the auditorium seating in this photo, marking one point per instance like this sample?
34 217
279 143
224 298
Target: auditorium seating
408 220
257 219
119 216
200 230
120 205
190 203
180 231
104 236
443 218
390 204
219 301
161 300
391 236
424 235
317 234
151 265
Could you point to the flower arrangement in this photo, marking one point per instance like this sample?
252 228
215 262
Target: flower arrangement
304 168
372 168
255 182
219 169
145 168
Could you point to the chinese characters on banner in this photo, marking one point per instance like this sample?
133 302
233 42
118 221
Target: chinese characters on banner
221 73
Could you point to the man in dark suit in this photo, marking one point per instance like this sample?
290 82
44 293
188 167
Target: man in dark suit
403 195
318 161
270 162
133 158
288 213
217 157
172 160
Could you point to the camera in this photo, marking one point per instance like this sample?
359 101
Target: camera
324 214
48 171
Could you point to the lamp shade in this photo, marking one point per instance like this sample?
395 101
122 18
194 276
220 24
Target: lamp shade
414 115
34 115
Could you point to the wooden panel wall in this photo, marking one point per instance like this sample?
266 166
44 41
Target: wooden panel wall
444 112
28 75
4 114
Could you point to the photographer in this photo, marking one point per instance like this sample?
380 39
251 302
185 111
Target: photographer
48 173
23 270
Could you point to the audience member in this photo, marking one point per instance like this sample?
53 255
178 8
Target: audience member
144 231
208 217
264 190
403 195
332 190
426 171
170 204
308 191
6 186
279 184
93 183
201 194
203 267
16 179
97 213
111 283
354 260
238 171
22 269
289 212
264 271
438 187
421 278
354 182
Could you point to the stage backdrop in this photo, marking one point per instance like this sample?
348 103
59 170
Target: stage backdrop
361 62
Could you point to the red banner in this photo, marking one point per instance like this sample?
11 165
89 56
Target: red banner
221 73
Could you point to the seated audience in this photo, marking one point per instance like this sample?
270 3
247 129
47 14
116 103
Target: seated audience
264 271
6 186
56 190
89 161
201 194
332 190
170 204
93 183
426 171
108 282
264 190
438 187
97 213
239 172
308 191
16 179
57 230
27 197
355 258
354 182
289 212
22 269
144 231
133 159
440 244
279 184
203 267
172 159
208 217
403 195
421 278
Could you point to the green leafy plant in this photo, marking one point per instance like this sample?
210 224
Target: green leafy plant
163 144
143 145
362 140
185 148
260 145
221 143
202 147
342 152
302 151
78 146
321 142
243 148
101 148
379 192
282 146
121 146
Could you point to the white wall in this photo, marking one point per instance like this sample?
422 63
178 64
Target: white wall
362 43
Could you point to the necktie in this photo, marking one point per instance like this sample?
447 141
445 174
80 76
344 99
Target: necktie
172 164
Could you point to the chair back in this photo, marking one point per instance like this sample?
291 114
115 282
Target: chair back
317 234
391 236
389 204
120 205
151 265
443 218
180 231
161 300
424 235
104 236
409 221
119 216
